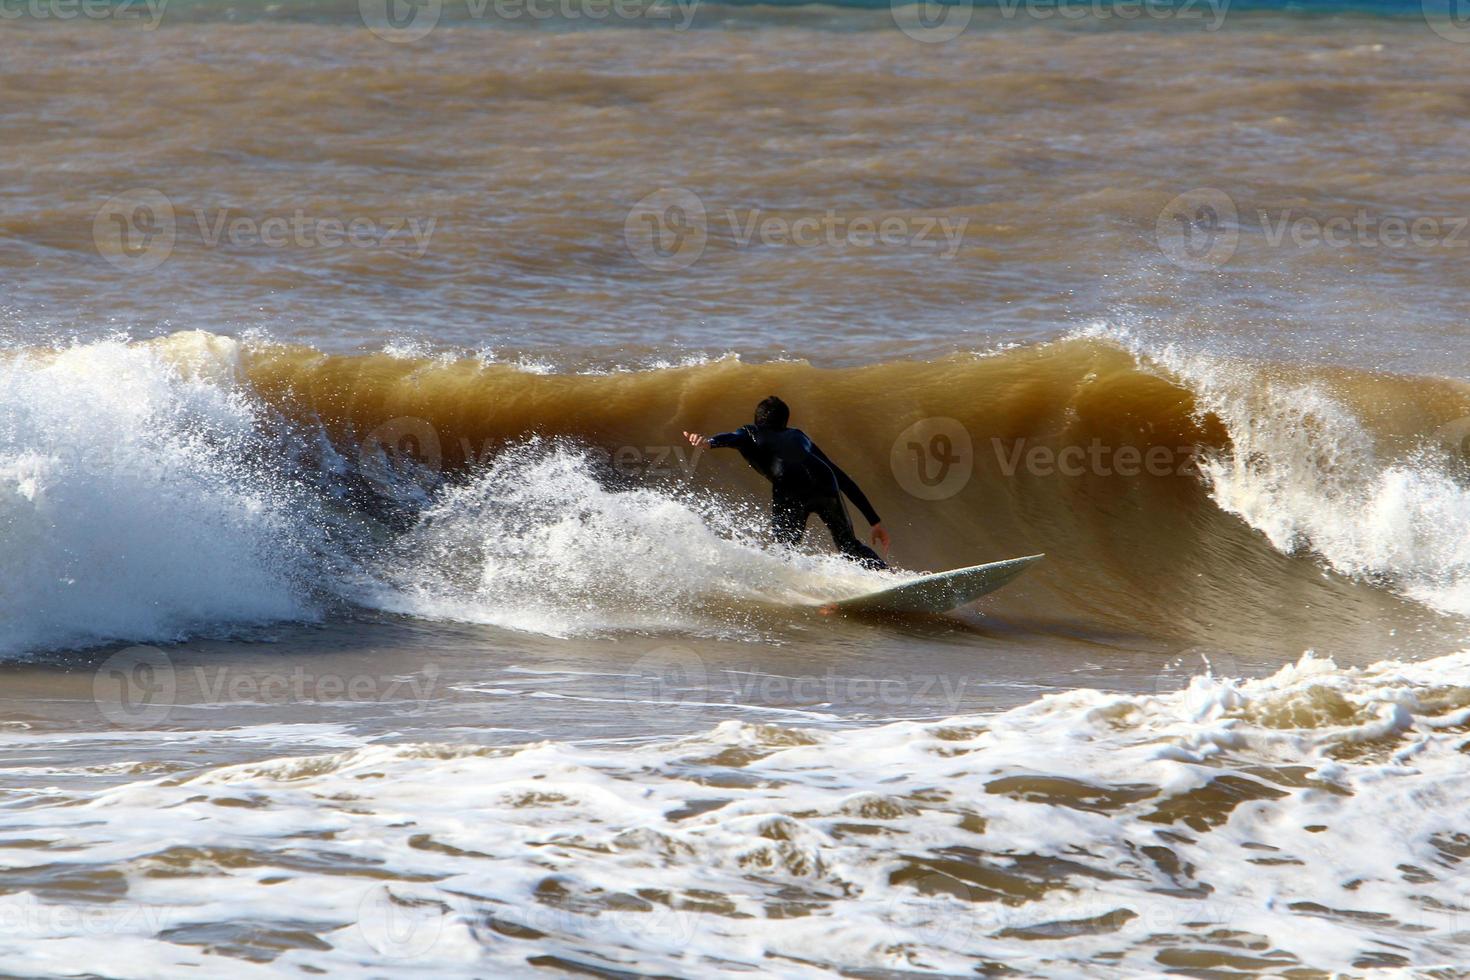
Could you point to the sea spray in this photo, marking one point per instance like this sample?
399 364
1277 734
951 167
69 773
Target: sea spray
1305 470
131 508
542 539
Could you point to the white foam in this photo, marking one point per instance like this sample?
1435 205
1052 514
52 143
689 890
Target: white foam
1305 472
1322 832
129 508
527 364
142 501
523 363
536 542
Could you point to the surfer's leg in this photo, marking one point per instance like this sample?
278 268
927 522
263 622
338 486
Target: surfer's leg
788 519
834 515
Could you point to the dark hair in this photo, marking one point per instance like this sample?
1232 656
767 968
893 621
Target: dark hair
772 413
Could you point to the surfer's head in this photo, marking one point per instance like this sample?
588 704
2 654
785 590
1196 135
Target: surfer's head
772 413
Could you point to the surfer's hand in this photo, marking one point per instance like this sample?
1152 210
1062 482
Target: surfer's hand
695 439
881 539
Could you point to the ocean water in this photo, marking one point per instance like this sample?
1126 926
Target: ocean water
363 610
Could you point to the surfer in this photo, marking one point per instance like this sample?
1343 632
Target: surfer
803 482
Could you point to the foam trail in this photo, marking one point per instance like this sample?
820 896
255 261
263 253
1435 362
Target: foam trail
128 508
538 542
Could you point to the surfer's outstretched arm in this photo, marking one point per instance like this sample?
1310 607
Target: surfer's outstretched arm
721 441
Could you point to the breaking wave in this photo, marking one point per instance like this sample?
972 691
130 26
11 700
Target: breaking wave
155 490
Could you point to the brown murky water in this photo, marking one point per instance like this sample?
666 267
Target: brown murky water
363 612
496 176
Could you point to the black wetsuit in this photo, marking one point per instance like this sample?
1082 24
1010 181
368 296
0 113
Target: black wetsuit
803 482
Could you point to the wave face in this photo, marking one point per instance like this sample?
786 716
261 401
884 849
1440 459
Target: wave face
1174 489
1311 821
159 489
1309 468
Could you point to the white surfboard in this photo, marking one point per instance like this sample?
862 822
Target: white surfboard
941 591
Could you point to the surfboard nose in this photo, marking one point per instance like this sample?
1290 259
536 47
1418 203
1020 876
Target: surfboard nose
941 591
